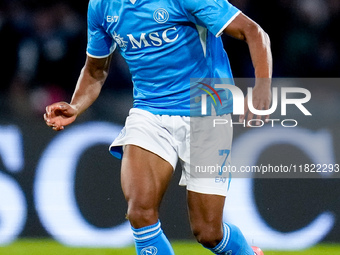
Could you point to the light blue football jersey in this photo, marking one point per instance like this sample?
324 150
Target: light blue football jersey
168 45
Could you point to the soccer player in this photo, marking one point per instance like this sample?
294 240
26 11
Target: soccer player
166 43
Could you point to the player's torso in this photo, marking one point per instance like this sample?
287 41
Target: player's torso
164 48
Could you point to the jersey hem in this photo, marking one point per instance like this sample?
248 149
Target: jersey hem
179 112
170 112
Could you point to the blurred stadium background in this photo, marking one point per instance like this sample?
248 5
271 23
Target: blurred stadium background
65 186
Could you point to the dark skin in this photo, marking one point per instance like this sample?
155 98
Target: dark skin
144 175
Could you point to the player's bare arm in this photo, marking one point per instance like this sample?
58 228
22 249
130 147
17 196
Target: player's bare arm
258 41
90 82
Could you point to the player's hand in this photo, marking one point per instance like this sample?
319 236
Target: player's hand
262 97
59 115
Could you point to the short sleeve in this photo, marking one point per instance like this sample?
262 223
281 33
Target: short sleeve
215 15
99 43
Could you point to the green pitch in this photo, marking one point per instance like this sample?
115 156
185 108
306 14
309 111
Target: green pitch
50 247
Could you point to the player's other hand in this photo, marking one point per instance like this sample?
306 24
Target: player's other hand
59 115
261 100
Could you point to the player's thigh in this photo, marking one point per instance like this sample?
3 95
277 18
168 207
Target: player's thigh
144 177
205 213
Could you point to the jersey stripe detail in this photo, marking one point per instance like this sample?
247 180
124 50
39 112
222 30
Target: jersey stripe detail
202 32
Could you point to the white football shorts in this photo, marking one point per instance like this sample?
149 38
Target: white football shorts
202 144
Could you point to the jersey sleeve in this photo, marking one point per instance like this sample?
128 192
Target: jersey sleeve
215 15
99 43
